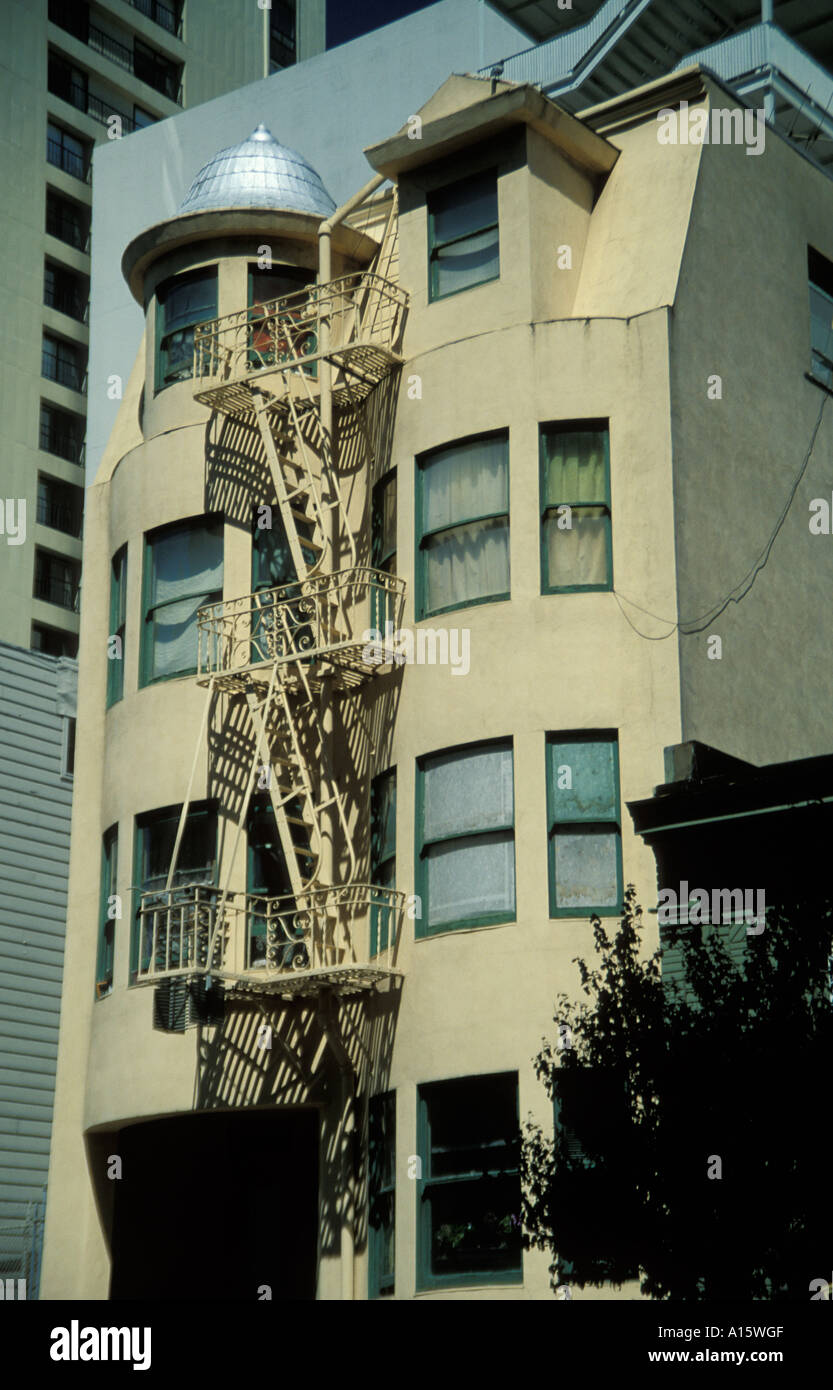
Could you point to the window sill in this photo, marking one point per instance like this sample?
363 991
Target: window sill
467 603
452 294
442 1290
455 928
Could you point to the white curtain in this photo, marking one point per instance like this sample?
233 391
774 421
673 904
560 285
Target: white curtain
578 554
575 475
472 561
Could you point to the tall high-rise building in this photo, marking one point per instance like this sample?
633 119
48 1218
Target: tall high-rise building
75 74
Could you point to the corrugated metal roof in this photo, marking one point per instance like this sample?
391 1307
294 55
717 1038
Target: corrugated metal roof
258 173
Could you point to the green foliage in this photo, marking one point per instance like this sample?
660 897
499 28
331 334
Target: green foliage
657 1082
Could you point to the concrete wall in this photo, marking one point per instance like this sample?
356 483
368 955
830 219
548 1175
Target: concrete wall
742 313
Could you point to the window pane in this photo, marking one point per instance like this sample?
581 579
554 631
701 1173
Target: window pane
586 868
577 554
475 1227
187 561
583 781
196 855
821 326
468 480
474 1126
464 207
174 636
272 563
384 521
467 563
575 467
382 820
467 791
471 877
468 262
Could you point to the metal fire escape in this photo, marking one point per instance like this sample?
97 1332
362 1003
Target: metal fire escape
285 652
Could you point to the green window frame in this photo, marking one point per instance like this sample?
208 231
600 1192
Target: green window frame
381 1217
584 823
105 952
820 276
465 837
463 235
575 473
118 624
469 1189
383 513
462 524
182 301
382 854
153 843
182 571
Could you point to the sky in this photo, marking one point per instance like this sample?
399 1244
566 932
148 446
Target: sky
347 19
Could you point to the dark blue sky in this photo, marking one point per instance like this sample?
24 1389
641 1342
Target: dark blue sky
347 19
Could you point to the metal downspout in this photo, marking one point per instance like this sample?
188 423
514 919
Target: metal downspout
325 368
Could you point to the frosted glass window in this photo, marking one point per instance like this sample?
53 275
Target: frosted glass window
467 849
183 571
584 825
575 502
463 500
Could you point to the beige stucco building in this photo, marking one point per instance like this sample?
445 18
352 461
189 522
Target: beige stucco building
534 408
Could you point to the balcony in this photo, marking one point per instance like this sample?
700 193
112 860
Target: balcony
62 368
363 312
60 517
321 620
63 156
68 299
64 593
344 937
65 441
67 225
167 18
137 58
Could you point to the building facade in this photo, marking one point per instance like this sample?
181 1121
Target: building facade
37 760
77 75
396 565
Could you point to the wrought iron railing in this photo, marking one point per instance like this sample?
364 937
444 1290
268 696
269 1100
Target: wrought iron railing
60 517
193 929
328 616
161 14
66 228
64 593
63 443
362 309
67 160
110 48
67 301
66 373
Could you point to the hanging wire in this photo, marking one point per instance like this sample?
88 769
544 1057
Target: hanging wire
691 626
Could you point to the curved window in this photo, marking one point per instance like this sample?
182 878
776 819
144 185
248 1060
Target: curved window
183 571
463 520
181 303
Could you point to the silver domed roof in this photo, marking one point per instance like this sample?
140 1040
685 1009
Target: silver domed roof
258 173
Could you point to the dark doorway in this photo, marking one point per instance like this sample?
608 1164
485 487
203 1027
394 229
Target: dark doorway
217 1205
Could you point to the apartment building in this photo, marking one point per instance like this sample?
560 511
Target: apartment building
77 74
421 529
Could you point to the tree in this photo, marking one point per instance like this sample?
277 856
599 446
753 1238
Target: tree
690 1121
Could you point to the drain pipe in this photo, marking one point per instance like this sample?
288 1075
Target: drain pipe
325 381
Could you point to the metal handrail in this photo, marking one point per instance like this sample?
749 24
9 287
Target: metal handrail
181 933
319 617
361 307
